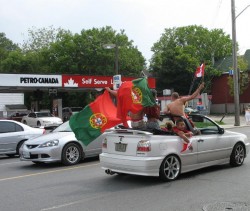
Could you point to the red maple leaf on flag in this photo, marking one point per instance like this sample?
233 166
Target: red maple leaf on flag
200 71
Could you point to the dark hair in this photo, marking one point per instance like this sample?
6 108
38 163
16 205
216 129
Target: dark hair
178 121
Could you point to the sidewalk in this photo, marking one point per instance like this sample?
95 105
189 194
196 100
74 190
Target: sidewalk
229 120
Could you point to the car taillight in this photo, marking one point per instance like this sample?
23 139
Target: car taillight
144 146
44 131
104 143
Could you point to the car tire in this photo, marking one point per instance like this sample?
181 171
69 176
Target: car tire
71 154
170 168
238 155
24 122
18 147
38 124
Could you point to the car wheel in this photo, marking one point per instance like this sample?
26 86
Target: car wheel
170 168
238 155
38 124
24 122
18 147
71 154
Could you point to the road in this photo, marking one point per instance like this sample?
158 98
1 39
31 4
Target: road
28 187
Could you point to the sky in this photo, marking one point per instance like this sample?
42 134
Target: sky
144 21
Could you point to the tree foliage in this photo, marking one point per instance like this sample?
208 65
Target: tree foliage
6 48
181 50
243 77
84 53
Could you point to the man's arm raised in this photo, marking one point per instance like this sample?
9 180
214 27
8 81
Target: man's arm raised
194 95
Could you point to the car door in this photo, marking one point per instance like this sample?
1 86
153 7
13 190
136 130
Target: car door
211 143
10 135
95 147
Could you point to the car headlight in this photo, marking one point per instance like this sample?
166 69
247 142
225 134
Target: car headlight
51 143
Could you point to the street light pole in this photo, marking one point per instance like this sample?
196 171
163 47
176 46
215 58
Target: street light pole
235 73
115 46
116 59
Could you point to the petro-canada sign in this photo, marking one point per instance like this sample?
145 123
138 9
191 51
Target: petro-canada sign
61 81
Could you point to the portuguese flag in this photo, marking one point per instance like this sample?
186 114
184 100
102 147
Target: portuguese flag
94 119
133 96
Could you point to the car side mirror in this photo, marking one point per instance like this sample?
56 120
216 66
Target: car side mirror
221 130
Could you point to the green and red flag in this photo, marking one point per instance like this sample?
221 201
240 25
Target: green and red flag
133 96
94 119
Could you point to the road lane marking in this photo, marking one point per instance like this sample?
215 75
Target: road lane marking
2 164
46 172
62 205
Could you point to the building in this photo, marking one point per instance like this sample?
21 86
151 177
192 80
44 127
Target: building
222 101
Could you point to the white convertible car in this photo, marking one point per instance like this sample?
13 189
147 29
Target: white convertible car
160 153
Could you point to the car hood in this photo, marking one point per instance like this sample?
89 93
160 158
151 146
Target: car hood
51 119
52 136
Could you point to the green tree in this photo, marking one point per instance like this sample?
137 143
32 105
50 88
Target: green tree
181 50
243 76
84 53
6 47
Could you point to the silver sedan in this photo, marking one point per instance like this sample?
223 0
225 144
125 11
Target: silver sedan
60 145
162 153
13 134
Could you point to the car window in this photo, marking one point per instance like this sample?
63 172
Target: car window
7 127
205 125
43 114
32 115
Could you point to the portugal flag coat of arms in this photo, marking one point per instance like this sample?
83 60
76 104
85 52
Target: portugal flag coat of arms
94 119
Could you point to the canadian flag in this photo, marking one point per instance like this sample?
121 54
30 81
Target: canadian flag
200 71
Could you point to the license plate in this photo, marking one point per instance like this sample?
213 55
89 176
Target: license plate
26 154
120 147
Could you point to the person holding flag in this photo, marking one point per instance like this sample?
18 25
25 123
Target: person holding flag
94 119
177 106
132 97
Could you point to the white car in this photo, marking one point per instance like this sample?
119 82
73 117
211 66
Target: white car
38 119
13 134
160 153
60 145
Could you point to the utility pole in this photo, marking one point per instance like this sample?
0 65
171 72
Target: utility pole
235 69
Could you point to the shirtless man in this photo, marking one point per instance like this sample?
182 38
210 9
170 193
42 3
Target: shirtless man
176 107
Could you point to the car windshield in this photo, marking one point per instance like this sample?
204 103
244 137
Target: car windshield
43 114
63 128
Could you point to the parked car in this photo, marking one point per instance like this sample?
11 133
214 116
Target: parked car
67 112
160 153
189 111
17 116
13 134
38 119
60 145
